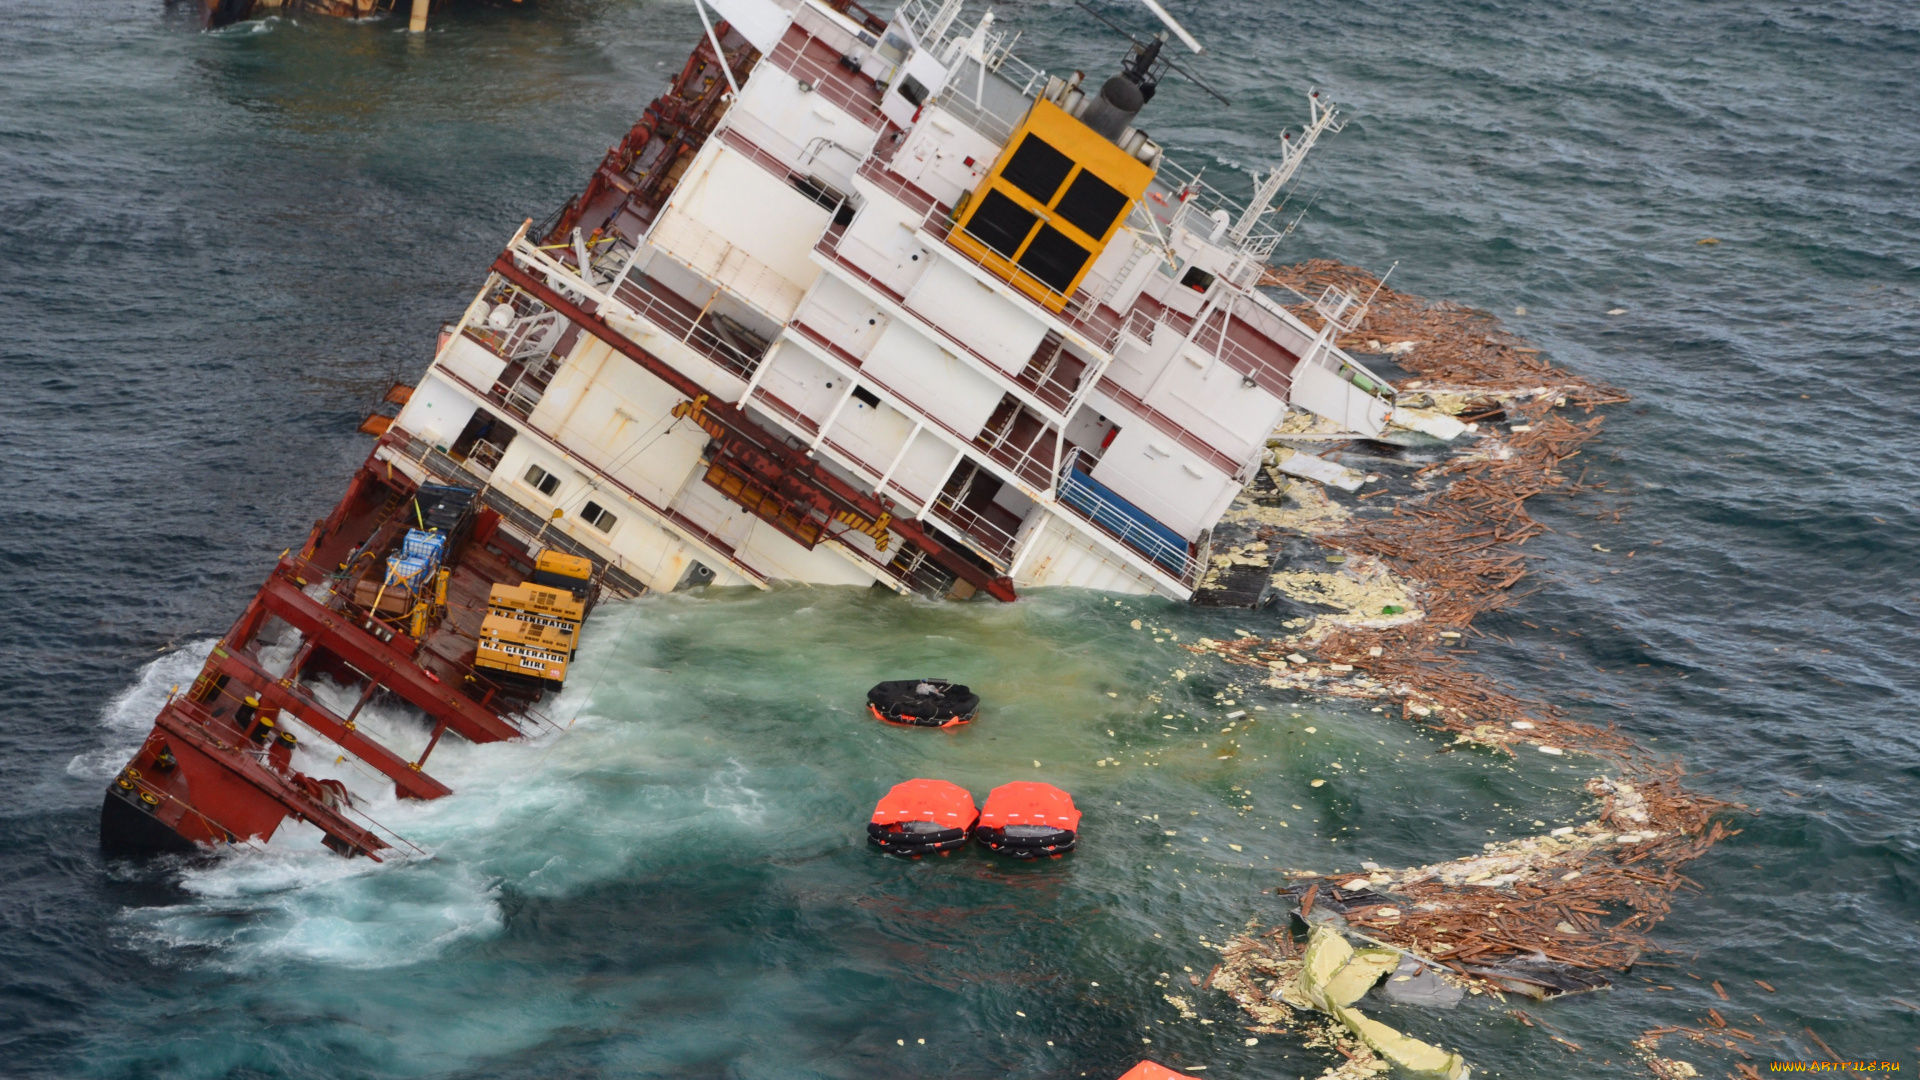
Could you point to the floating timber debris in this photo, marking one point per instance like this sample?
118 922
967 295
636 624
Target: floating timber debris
1457 352
1402 582
1576 898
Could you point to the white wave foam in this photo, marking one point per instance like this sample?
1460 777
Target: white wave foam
295 900
663 764
729 793
129 717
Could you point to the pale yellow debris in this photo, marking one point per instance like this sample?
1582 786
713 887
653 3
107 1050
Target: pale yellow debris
1334 975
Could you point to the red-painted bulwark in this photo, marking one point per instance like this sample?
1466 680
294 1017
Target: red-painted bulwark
409 782
219 792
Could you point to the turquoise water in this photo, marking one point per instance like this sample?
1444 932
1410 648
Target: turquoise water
684 872
217 250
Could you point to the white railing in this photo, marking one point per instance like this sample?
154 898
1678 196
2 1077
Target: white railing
1213 340
838 86
976 530
1200 195
637 298
627 294
1030 465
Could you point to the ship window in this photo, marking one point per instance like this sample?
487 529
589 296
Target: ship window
1054 258
1197 279
1037 168
594 515
1001 223
1091 204
861 393
541 480
914 91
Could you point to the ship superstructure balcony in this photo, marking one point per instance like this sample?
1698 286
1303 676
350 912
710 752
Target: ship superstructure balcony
1015 443
1120 519
528 343
921 467
813 51
1052 381
714 329
726 341
969 507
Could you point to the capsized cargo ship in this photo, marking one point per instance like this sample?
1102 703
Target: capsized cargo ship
857 301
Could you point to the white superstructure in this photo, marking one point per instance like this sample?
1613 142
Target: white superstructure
896 308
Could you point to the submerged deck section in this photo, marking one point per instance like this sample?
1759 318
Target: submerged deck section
220 764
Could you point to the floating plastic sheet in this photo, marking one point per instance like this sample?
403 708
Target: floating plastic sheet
1416 982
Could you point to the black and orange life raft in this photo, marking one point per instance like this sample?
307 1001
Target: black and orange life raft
923 817
923 702
1027 820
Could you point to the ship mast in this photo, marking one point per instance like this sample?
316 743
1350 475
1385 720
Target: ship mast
1292 154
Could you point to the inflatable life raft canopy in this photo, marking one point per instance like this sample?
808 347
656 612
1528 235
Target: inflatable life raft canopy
923 702
1028 820
921 817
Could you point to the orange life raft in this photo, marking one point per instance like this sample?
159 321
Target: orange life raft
922 817
1153 1070
1028 820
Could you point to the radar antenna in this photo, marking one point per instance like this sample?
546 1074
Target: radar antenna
1173 25
1142 45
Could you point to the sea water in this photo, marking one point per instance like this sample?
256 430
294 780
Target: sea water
217 250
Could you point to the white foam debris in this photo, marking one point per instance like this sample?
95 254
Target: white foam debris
1428 422
1297 463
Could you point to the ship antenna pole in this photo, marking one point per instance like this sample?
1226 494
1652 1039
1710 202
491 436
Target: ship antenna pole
1381 284
1325 118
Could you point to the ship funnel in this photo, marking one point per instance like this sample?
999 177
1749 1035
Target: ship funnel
1122 97
1112 111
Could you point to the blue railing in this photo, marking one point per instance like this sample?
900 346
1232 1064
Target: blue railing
1125 522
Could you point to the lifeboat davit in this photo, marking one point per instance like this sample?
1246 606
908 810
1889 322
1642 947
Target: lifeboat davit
923 702
921 817
1027 820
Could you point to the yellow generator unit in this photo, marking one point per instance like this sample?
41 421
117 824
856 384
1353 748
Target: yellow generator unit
538 600
530 631
558 570
1057 195
540 631
501 652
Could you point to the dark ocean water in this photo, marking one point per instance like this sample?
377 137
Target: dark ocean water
217 249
